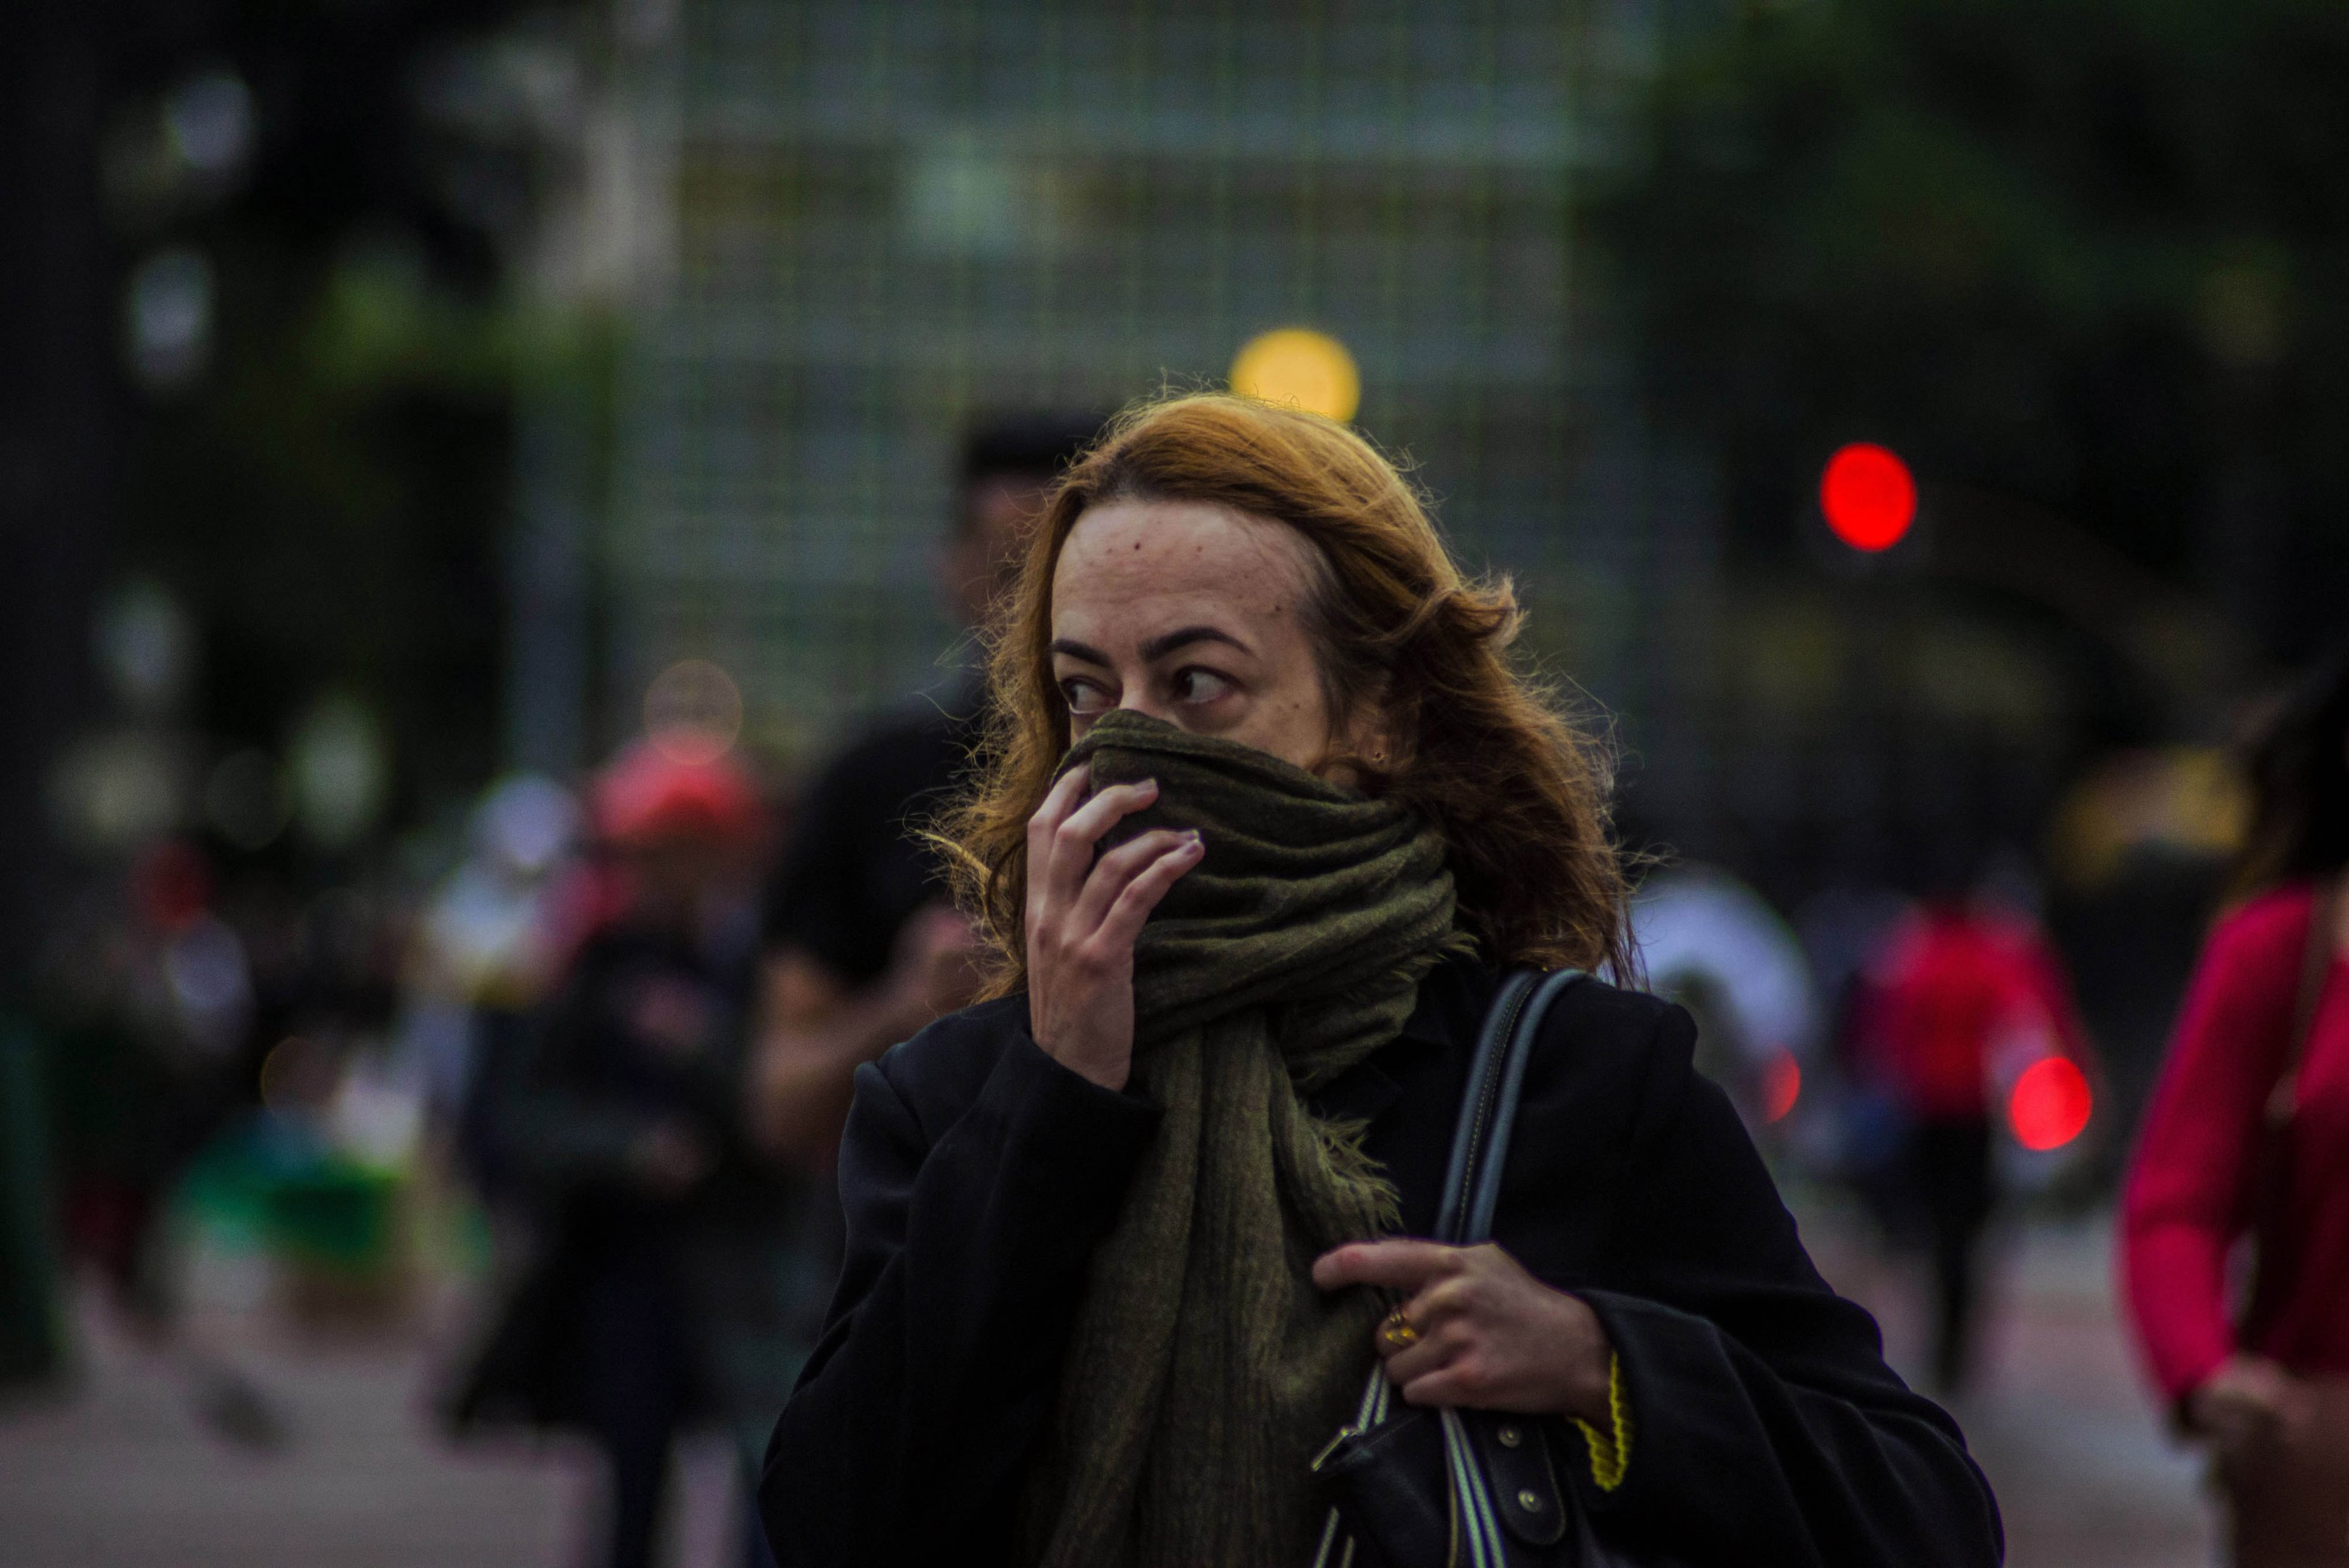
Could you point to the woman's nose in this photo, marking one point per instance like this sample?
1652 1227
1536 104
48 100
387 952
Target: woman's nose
1145 703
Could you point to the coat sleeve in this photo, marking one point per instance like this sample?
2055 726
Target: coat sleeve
2188 1191
939 1361
1763 1424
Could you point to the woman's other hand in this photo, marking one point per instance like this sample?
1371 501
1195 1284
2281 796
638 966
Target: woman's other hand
1489 1335
1083 916
2248 1402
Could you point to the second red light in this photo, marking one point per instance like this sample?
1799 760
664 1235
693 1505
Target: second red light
2050 1104
1868 496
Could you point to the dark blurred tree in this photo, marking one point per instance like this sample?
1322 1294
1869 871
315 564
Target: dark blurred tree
2087 259
258 313
261 328
58 440
330 489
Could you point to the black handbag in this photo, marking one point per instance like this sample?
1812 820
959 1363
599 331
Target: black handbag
1449 1488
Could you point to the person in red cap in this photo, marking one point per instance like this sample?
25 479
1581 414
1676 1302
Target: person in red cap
663 1251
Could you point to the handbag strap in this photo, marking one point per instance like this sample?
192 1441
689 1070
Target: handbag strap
1480 1149
1480 1138
1472 1191
1488 1105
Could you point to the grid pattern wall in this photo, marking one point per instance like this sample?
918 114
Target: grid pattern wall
895 217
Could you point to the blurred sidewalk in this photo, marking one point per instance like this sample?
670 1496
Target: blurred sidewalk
121 1474
2058 1418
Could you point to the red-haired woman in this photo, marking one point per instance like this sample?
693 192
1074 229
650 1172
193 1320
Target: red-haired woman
1265 812
2248 1134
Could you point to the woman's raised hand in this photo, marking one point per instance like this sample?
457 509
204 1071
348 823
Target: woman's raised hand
1083 916
1485 1333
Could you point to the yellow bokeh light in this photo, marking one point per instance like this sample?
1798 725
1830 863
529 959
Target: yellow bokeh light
1301 368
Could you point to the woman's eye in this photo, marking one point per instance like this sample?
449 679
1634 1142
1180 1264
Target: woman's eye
1195 685
1083 697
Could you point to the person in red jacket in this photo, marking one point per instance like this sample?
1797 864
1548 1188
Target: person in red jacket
1966 994
2271 1384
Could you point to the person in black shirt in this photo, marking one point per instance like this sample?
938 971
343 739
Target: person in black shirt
864 948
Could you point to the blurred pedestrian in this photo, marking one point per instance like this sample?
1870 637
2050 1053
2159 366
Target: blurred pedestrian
148 994
863 943
655 1294
1270 812
1715 946
1966 995
485 950
2246 1137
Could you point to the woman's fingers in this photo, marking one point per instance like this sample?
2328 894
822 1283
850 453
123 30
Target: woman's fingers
1050 885
1065 794
1452 1296
1456 1383
1121 926
1080 989
1102 809
1400 1264
1434 1348
1112 871
1484 1331
1441 1321
1062 798
1070 855
1444 1365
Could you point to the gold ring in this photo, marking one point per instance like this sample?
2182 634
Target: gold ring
1399 1331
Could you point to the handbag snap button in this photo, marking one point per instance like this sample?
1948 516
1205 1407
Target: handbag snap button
1509 1437
1530 1500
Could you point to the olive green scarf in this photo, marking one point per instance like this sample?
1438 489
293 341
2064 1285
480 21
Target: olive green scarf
1206 1369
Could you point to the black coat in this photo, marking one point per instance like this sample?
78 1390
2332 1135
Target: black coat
979 1174
595 1071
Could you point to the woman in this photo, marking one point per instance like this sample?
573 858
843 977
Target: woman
1124 1239
2248 1133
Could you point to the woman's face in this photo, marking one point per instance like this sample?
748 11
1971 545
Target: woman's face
1194 615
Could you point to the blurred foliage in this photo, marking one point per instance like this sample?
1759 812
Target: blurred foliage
330 498
332 495
2090 255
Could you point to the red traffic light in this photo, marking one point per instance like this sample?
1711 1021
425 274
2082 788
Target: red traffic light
2050 1104
1868 496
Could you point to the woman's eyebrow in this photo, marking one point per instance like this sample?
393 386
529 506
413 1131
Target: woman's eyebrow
1076 650
1159 647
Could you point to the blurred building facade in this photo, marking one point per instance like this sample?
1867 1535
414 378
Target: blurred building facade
885 220
891 219
881 221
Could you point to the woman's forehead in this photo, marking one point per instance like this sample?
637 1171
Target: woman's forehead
1130 557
